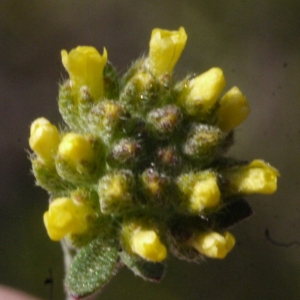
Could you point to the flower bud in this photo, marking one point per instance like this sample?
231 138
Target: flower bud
64 217
75 149
213 244
256 177
165 50
125 152
201 190
155 184
147 244
85 67
233 110
203 92
163 121
205 194
203 142
105 118
115 192
44 139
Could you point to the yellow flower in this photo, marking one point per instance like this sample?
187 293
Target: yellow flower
233 109
213 244
147 244
75 149
85 67
205 194
165 50
204 90
44 139
64 217
256 177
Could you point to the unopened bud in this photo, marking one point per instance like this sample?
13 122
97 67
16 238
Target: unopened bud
213 244
44 139
147 244
233 110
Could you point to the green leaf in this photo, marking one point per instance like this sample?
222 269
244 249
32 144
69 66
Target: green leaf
92 268
148 270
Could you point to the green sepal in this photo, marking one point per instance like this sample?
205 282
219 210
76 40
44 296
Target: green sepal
47 178
68 106
98 225
150 271
111 82
92 268
181 230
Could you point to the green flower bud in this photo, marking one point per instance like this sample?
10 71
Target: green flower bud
125 151
164 121
203 142
116 192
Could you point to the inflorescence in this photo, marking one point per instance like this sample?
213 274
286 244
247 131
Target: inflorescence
139 171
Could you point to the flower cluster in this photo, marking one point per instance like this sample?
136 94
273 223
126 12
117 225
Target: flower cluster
139 171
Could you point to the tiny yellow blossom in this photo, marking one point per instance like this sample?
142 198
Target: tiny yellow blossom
256 177
75 149
205 194
44 139
64 217
233 109
213 244
147 244
85 67
165 50
204 90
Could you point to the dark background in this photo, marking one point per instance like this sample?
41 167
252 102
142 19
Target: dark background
256 43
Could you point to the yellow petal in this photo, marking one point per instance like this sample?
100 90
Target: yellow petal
165 50
205 89
147 244
205 194
213 244
64 217
85 67
256 177
75 149
233 109
44 139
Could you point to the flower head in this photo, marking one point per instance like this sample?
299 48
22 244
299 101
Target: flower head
256 177
147 244
64 217
44 139
233 109
85 67
165 49
214 244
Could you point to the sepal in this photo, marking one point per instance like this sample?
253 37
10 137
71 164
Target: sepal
149 271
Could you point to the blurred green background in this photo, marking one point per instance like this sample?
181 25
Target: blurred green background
256 43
